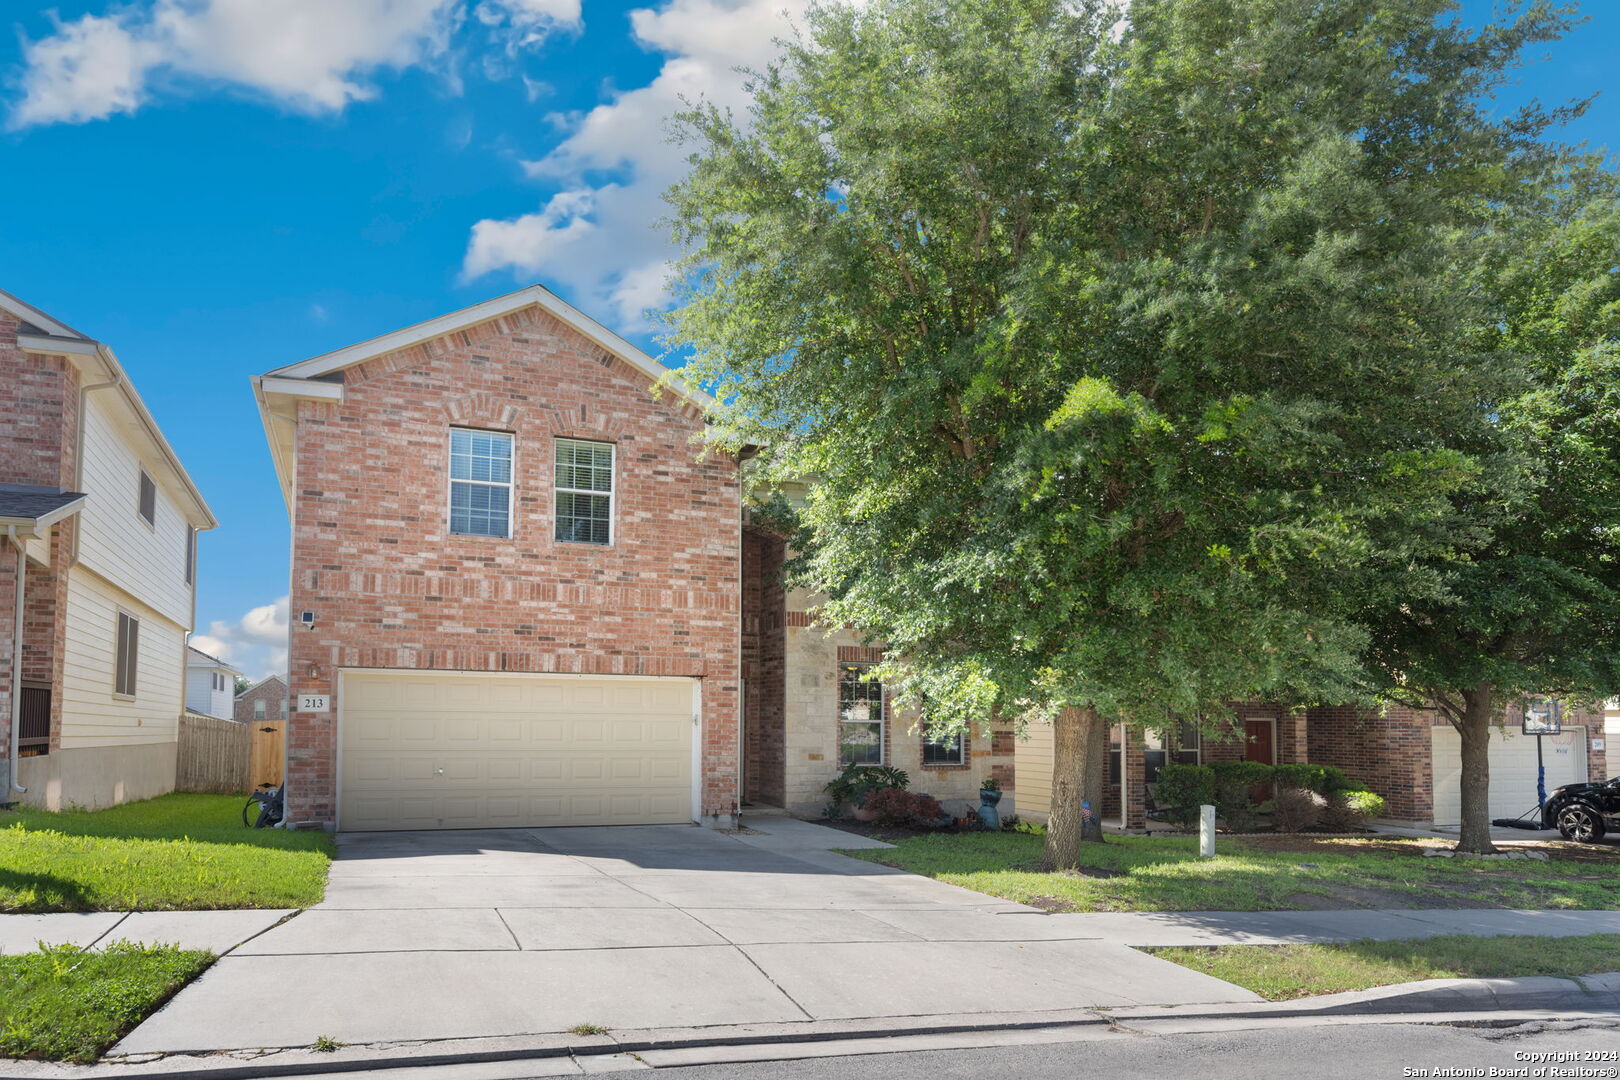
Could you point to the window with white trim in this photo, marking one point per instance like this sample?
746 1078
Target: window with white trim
584 491
480 482
949 750
129 647
1179 746
861 716
258 709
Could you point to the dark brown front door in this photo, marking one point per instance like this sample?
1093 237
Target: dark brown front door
1259 745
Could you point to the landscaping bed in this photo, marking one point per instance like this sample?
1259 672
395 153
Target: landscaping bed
175 852
1286 972
61 1004
1134 873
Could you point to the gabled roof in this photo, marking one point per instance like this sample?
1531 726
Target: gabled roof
97 365
282 679
207 658
278 391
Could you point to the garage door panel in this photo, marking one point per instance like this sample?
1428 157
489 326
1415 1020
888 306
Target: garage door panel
424 752
1513 770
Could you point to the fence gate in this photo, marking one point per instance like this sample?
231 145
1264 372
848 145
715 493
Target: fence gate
267 758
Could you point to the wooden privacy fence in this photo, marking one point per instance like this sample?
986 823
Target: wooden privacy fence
227 757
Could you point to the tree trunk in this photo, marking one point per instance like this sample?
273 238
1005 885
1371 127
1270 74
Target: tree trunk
1475 730
1073 732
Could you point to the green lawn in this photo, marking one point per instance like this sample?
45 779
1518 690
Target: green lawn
1283 972
65 1005
1138 873
170 853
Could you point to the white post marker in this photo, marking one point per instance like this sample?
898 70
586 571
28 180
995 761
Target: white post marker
1206 832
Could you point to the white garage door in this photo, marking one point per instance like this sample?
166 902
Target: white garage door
1513 770
423 751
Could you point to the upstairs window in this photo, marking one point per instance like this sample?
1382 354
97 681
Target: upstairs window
129 647
191 553
480 483
147 504
258 709
584 491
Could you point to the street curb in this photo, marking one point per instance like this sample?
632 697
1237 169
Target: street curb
1456 1000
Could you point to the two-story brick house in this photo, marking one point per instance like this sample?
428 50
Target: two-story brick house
515 579
265 700
99 523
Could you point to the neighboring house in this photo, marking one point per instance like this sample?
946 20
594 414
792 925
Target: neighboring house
515 579
100 520
264 700
1411 757
210 684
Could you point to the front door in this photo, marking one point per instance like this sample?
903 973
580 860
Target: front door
1260 744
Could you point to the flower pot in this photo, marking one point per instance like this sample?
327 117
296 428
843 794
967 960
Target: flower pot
989 798
863 814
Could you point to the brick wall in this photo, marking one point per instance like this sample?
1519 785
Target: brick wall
390 588
271 691
39 398
1393 754
763 666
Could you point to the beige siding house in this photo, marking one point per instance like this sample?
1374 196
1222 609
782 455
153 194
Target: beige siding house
92 689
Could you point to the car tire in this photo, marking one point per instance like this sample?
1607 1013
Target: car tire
1580 823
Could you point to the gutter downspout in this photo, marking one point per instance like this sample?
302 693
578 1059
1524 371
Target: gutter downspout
16 667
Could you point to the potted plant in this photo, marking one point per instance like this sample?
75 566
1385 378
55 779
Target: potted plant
989 796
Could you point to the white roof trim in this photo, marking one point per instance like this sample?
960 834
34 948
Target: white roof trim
571 316
302 388
31 314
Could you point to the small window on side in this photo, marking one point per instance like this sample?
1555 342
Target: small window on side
148 499
191 554
129 644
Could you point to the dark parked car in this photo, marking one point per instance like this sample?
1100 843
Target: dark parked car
1584 811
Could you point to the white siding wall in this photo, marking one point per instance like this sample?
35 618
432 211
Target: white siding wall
145 561
91 714
201 695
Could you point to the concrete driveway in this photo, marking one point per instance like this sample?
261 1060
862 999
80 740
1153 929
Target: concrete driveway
492 933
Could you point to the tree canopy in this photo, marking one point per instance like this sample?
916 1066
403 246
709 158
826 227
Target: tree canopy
1128 356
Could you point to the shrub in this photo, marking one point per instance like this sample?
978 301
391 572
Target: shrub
926 810
1349 811
856 782
1180 791
896 806
989 783
1296 809
1322 779
1234 791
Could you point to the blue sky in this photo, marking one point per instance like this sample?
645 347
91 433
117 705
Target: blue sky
220 187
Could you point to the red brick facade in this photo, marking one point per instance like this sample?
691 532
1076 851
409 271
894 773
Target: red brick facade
390 587
764 668
39 397
272 691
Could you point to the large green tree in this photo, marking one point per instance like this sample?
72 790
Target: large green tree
1116 348
1536 608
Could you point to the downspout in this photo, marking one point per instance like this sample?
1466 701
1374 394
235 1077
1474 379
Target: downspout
12 742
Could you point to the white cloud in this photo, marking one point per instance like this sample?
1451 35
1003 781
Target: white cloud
311 55
256 643
601 238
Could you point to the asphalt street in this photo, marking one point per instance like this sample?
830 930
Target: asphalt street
1323 1052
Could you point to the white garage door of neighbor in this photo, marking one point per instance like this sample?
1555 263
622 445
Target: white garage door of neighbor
1513 769
483 751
